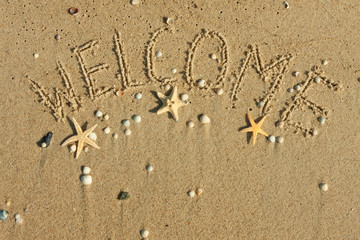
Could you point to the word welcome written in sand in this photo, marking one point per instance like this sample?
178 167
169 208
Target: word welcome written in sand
272 73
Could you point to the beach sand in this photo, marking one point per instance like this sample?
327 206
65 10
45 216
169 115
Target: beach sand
262 191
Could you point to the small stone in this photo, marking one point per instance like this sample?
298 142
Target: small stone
126 122
98 114
149 168
200 83
136 118
106 117
219 91
138 96
144 233
127 132
324 187
204 119
260 104
280 124
290 90
92 136
86 149
199 191
317 79
271 138
72 148
184 97
190 124
123 195
107 130
324 62
43 144
279 139
135 2
213 56
169 20
115 135
3 215
173 70
297 87
191 193
158 54
47 139
36 55
86 179
86 170
57 37
321 120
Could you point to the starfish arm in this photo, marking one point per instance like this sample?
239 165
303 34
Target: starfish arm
77 126
174 113
249 129
162 110
251 120
91 143
160 95
181 103
79 148
254 137
70 140
263 133
261 121
90 130
174 94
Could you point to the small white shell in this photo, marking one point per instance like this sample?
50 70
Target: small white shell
324 187
280 124
92 136
98 114
296 74
297 87
72 148
286 4
86 179
127 132
260 104
200 83
184 97
324 62
290 90
135 2
279 139
149 168
219 91
126 122
144 233
18 219
138 96
107 130
115 135
136 118
3 215
86 170
271 138
36 55
314 132
43 144
158 54
191 193
106 117
199 191
86 149
173 70
317 79
321 120
190 124
169 20
167 87
213 56
204 119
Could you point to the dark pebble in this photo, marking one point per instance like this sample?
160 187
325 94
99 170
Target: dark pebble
123 195
47 138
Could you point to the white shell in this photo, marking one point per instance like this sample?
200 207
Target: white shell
18 219
200 83
57 37
86 170
127 132
167 87
271 138
324 187
213 56
43 145
297 87
191 193
321 120
220 91
260 103
204 119
126 122
173 70
280 124
138 96
144 233
286 4
98 114
135 2
115 135
149 168
36 55
3 215
290 90
314 132
296 74
190 124
169 20
86 149
136 118
72 148
92 136
158 54
317 79
279 139
324 62
107 130
199 191
184 97
106 117
86 179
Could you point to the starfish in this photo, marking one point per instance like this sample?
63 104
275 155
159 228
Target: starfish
81 137
170 103
255 128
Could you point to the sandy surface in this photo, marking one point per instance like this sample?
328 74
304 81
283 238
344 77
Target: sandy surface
266 191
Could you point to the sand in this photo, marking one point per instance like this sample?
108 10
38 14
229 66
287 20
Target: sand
262 191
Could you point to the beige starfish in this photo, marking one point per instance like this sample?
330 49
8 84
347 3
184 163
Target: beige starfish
81 137
255 128
171 103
